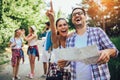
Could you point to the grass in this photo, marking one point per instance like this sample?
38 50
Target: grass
114 63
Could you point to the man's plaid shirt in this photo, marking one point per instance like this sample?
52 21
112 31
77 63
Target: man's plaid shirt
94 36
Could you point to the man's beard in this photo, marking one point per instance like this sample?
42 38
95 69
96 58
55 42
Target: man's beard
78 26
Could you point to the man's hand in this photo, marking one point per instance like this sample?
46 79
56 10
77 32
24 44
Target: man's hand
104 57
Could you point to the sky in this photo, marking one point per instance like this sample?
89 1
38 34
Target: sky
64 5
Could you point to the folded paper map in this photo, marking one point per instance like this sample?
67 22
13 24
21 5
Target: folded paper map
88 55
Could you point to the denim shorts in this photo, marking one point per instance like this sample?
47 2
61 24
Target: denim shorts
32 51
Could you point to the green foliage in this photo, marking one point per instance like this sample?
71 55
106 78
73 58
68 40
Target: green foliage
0 10
20 14
116 41
3 62
3 59
114 64
70 22
59 14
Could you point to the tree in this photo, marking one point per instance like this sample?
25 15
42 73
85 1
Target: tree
20 14
105 14
0 11
70 22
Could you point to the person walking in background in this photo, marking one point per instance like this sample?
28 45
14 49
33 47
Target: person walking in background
46 47
32 51
17 52
44 32
87 36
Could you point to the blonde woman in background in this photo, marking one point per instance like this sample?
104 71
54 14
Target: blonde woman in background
17 52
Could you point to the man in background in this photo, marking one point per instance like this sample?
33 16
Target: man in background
46 47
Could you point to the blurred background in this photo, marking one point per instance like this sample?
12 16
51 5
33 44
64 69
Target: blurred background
23 13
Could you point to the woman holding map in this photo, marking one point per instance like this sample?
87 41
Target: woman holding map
59 31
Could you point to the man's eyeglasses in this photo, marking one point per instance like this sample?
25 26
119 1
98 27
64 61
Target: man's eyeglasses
78 13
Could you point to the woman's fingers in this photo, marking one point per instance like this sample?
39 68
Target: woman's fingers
62 63
51 6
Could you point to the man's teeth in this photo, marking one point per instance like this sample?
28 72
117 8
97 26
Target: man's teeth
77 19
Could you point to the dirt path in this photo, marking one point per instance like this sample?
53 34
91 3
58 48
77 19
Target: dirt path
6 70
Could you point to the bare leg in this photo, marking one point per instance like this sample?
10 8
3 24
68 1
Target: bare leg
32 64
14 70
45 67
17 66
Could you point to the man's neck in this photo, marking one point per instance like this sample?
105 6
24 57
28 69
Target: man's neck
81 30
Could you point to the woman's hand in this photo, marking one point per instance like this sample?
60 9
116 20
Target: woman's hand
22 32
13 44
62 63
50 13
